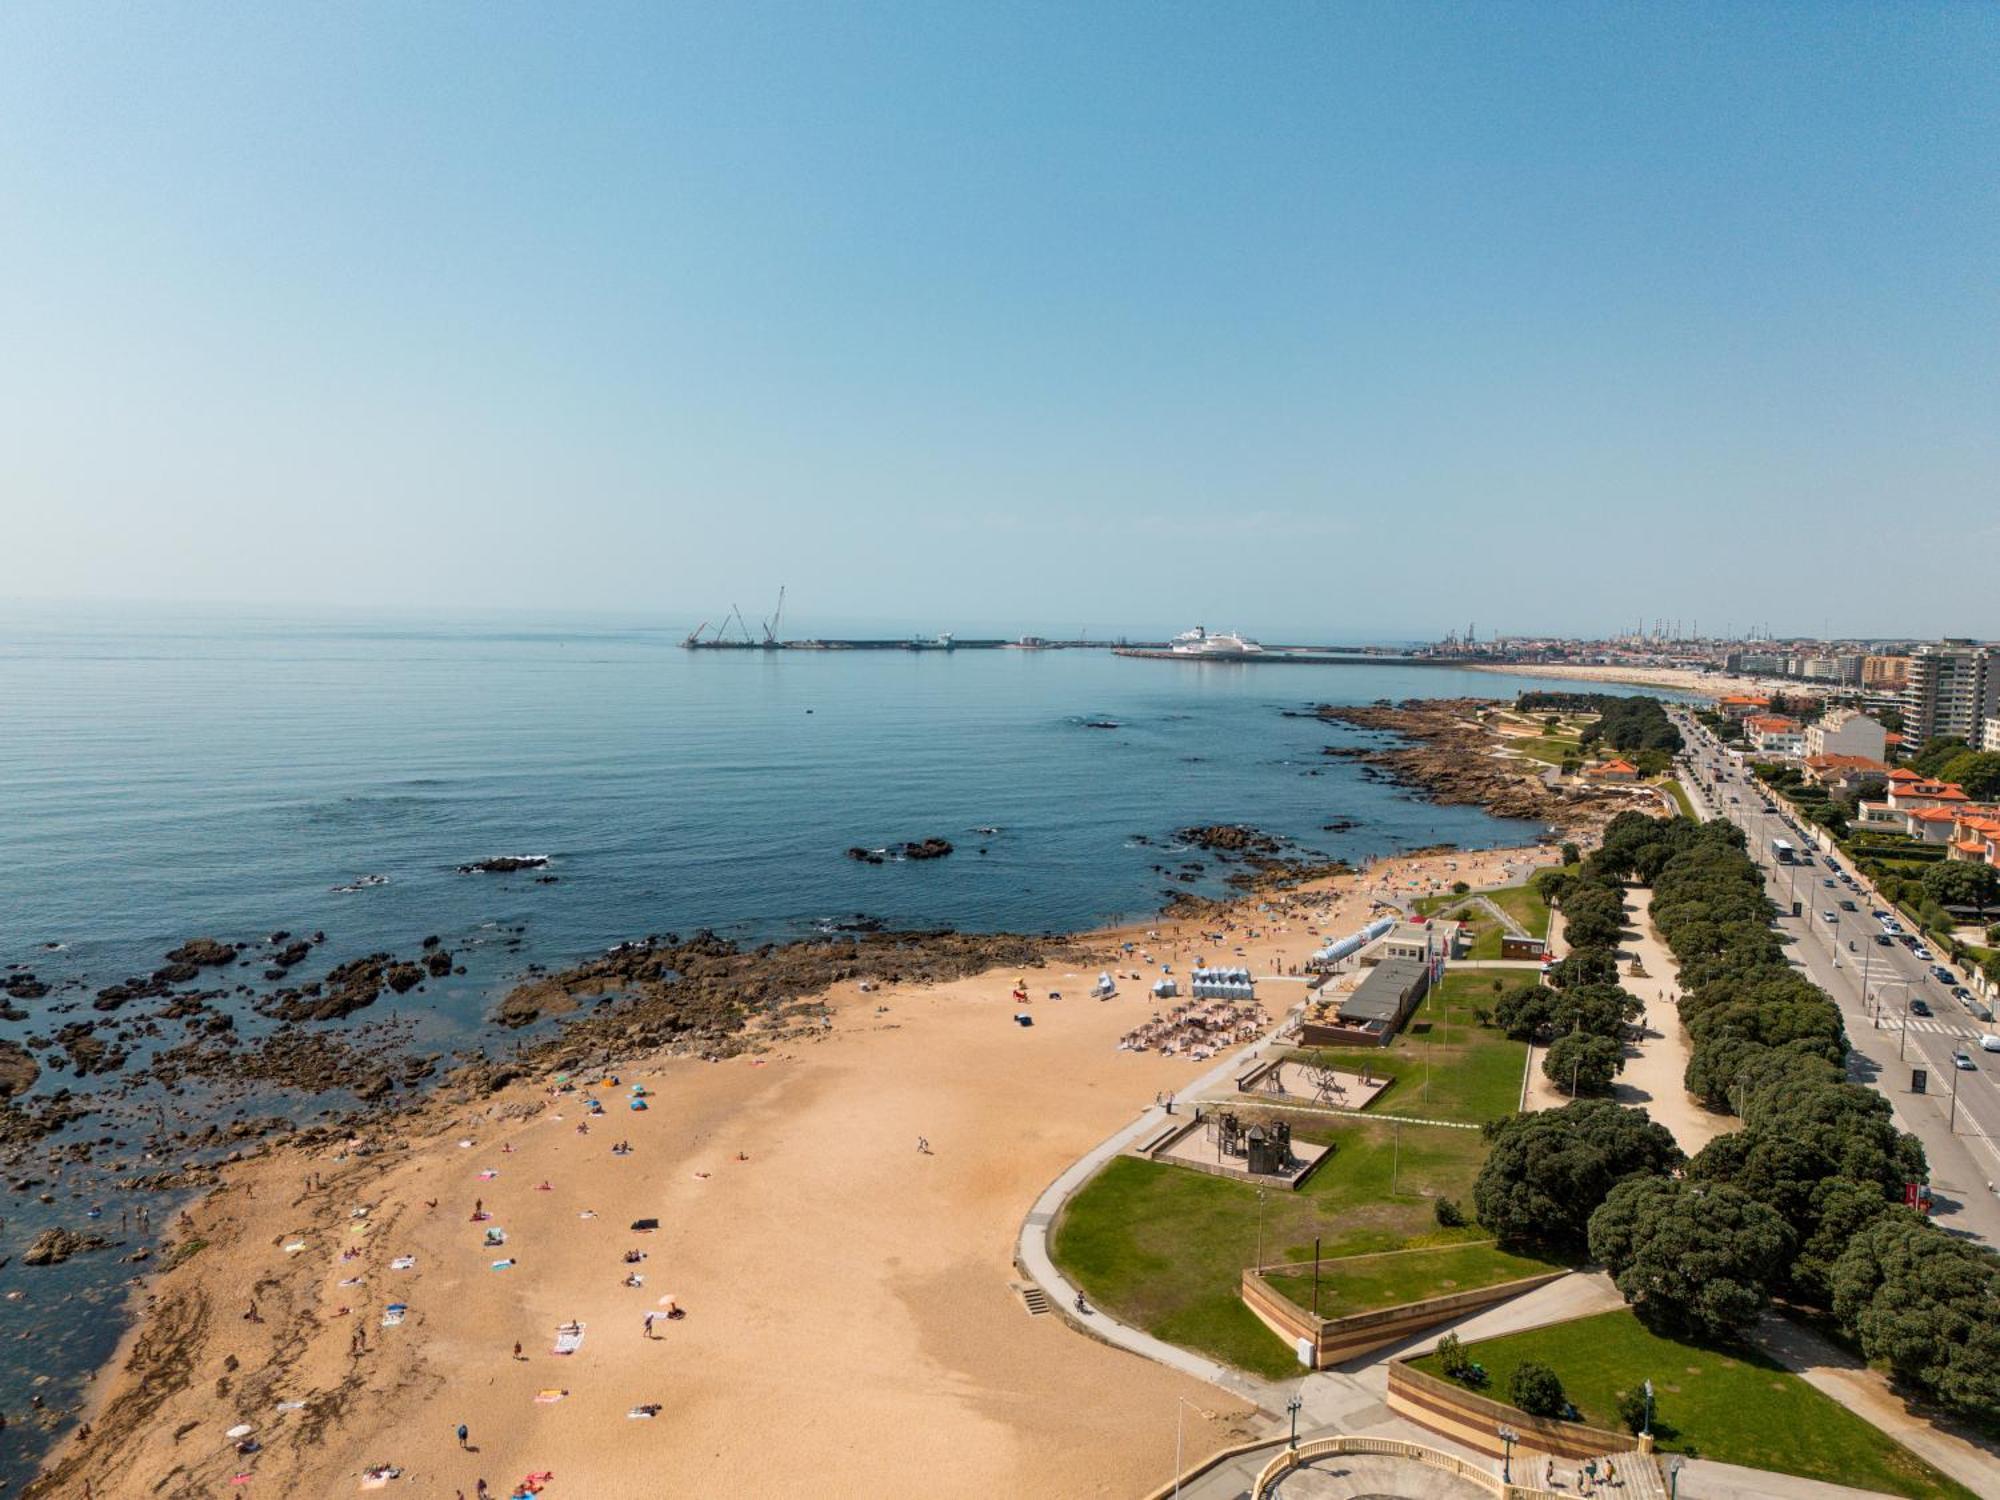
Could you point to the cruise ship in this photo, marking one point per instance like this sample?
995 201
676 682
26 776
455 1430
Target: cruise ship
1199 642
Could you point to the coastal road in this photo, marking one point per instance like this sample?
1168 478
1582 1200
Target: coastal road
1873 985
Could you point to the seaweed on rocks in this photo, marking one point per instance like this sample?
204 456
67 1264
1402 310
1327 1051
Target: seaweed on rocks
699 993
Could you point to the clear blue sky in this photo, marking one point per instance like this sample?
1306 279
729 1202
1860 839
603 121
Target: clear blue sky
1337 320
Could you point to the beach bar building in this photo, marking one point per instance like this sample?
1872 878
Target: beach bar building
1374 1011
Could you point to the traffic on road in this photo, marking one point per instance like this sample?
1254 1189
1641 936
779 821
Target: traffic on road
1917 1030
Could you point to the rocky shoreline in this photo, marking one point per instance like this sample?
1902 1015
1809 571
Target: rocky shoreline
1453 762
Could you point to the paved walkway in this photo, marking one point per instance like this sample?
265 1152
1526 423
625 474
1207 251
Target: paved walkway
1031 1249
1973 1462
1656 1060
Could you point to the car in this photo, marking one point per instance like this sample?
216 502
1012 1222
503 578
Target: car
1989 1043
1849 906
1883 940
1829 916
1880 915
1961 994
1943 975
1919 1008
1923 954
1963 1061
1828 882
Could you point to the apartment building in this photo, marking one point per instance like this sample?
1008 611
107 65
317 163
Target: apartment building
1843 731
1953 688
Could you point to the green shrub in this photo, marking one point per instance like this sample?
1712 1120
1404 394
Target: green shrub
1537 1390
1632 1409
1447 1212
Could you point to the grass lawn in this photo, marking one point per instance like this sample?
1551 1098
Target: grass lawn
1364 1283
1680 796
1164 1247
1525 905
1444 1065
1728 1404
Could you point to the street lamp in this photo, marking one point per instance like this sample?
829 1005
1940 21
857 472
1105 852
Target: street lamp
1649 1410
1674 1467
1180 1421
1508 1438
1292 1407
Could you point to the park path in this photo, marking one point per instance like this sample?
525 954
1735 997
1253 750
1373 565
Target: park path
1973 1462
1656 1058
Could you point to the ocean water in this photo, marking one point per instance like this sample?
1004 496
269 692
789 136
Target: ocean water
165 775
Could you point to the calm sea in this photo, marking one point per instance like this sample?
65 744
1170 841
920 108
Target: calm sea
165 775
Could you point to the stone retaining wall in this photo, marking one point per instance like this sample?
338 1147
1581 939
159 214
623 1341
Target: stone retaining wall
1336 1340
1473 1420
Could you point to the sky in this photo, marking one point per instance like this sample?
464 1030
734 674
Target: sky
1319 321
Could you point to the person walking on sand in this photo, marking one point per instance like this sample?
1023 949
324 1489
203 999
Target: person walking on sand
517 1349
461 1434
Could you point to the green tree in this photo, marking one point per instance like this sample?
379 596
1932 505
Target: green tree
1580 1063
1545 1173
1571 855
1923 1302
1978 771
1936 754
1960 882
1842 1208
1691 1257
1537 1390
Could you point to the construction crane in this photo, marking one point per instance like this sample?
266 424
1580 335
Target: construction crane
771 625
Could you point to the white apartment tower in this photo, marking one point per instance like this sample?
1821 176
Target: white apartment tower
1953 687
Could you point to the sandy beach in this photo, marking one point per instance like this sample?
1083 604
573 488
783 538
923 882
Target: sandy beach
850 1322
1676 679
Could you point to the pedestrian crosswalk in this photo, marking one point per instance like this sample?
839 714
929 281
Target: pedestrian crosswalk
1933 1025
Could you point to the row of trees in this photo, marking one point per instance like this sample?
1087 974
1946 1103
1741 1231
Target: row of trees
1803 1201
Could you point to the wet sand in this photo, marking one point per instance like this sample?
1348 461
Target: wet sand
850 1326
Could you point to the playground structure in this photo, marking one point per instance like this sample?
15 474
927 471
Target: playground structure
1224 1142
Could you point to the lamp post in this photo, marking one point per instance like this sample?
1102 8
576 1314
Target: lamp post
1260 1229
1292 1408
1674 1467
1508 1438
1649 1410
1180 1420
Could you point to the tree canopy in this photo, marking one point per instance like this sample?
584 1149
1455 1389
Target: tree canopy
1692 1257
1927 1304
1545 1173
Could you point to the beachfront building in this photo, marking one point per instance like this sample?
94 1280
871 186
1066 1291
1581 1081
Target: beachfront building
1612 770
1989 733
1422 941
1843 731
1374 1011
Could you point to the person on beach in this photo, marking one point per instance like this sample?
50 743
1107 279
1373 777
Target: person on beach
517 1350
461 1434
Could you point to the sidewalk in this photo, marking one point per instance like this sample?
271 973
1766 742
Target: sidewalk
1973 1462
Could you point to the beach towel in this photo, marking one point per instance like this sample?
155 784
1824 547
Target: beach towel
549 1397
496 1237
487 1174
393 1314
295 1247
645 1224
504 1265
403 1263
568 1340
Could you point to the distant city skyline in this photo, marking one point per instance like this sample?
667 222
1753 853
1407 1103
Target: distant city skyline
1339 324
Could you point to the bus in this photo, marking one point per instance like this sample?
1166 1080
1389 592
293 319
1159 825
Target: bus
1783 852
